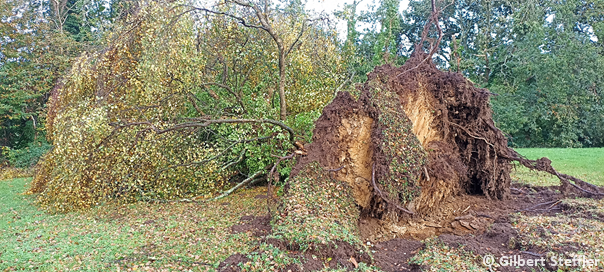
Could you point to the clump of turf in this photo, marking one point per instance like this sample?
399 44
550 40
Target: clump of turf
317 211
399 156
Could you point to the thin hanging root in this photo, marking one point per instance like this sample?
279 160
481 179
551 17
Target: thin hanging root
375 187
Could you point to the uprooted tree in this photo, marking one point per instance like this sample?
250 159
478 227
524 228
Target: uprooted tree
413 137
141 120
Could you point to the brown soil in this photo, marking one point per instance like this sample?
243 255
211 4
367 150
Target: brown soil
231 263
461 215
478 224
259 226
394 255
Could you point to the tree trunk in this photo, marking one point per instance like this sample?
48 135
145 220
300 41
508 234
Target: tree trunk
282 101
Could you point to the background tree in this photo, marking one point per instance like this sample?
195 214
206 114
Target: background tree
267 16
40 41
520 50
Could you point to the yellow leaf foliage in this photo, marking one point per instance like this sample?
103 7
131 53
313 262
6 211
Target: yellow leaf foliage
95 157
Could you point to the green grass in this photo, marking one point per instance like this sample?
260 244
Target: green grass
161 237
197 237
584 163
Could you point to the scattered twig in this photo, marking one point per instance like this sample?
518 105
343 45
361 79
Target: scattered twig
547 210
484 215
517 190
538 205
557 202
466 209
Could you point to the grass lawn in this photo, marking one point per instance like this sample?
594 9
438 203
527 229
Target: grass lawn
140 236
584 163
197 236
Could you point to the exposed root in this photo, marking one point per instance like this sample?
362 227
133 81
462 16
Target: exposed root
545 165
379 192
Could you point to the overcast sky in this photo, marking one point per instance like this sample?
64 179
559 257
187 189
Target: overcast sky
329 6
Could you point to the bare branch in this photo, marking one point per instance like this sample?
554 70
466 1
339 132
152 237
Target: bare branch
193 99
241 184
269 178
230 90
345 82
291 47
240 159
241 20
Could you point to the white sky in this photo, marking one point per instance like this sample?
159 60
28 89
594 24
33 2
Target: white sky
329 6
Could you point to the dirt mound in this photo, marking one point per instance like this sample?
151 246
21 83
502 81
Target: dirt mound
463 215
473 222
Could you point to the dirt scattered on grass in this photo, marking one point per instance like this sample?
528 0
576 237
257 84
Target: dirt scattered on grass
231 264
259 226
394 255
337 255
499 240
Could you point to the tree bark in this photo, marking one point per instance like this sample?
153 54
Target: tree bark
282 101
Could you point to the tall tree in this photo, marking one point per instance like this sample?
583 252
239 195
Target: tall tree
380 42
291 14
40 40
